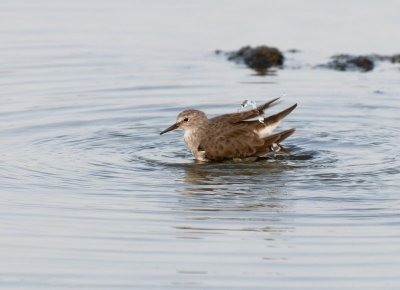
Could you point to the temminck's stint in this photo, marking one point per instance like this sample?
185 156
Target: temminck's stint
232 136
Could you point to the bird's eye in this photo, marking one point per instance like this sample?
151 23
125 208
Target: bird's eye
186 119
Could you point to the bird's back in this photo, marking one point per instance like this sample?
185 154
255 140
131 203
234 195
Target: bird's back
232 136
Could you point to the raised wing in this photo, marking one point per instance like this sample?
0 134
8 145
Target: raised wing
245 115
269 123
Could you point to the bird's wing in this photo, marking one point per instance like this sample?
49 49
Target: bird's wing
245 115
239 142
269 123
231 142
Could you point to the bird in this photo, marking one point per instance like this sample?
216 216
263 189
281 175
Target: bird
234 136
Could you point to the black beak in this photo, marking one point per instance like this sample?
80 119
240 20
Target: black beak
173 127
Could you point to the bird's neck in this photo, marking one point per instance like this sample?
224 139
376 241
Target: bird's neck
192 139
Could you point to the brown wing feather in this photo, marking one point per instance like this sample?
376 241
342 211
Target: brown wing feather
230 136
240 143
284 134
245 115
236 143
271 119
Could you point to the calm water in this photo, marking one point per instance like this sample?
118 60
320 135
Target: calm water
93 198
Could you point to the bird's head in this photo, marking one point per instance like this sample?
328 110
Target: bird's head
187 119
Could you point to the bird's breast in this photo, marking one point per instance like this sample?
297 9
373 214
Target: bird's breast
191 139
188 136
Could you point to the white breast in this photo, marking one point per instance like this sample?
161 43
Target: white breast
190 140
188 136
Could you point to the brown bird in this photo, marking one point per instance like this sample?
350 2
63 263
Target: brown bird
232 136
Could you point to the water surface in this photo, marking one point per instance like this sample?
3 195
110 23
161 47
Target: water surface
93 198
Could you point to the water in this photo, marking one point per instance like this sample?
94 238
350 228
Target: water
93 198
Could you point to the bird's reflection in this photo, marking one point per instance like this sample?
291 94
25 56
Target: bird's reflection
234 186
225 198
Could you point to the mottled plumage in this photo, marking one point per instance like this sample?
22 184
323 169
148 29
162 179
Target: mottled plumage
232 136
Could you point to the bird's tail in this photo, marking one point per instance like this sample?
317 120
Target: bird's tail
271 142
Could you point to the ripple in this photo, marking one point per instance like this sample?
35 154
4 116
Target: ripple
92 196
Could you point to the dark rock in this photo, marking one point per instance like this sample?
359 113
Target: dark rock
395 58
260 58
364 63
346 62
